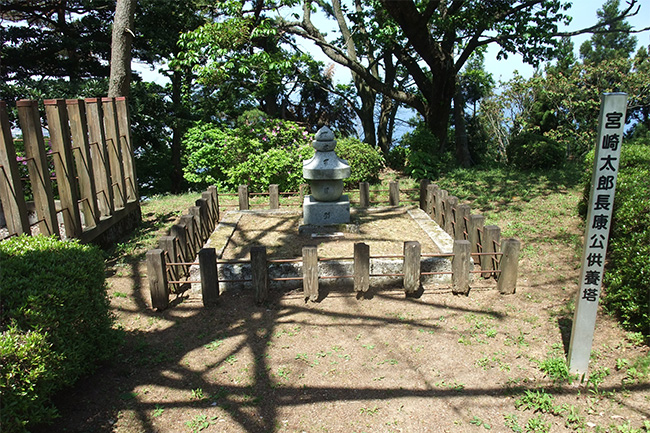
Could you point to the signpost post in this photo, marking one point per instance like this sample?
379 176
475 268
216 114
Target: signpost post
599 219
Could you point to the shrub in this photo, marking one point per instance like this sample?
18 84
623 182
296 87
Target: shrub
423 158
627 277
365 161
397 157
529 150
55 322
258 152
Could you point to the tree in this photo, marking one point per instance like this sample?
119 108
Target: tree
434 39
120 77
614 41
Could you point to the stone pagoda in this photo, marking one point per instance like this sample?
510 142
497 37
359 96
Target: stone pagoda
325 173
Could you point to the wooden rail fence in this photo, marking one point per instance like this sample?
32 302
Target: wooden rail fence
169 264
93 164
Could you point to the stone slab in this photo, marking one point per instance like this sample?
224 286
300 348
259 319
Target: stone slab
326 213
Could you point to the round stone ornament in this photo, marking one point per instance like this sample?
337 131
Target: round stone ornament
325 141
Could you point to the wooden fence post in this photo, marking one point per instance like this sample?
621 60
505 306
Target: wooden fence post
115 156
412 263
179 232
310 272
209 198
393 193
260 274
492 235
192 241
509 265
214 203
462 222
124 126
475 227
204 217
209 276
11 191
39 173
460 267
431 201
157 276
440 198
274 197
83 161
99 156
243 197
57 119
424 184
168 245
450 215
361 267
199 227
364 194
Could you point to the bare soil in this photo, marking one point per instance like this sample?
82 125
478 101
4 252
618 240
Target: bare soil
386 363
385 230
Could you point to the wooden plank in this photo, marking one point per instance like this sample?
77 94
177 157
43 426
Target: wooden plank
361 267
157 277
476 224
310 272
274 197
204 218
259 273
11 188
61 144
39 173
424 183
214 203
243 197
509 266
99 156
429 207
393 193
462 217
114 148
192 239
168 245
460 267
199 226
450 214
209 276
83 161
441 196
179 232
492 235
124 125
412 263
364 194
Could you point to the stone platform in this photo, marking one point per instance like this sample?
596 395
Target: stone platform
238 271
324 213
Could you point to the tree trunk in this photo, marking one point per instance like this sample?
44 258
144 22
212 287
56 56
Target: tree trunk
367 112
463 156
120 78
385 127
176 174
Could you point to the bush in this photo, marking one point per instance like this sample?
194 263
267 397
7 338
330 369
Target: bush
258 152
627 277
365 161
529 150
397 157
55 323
423 158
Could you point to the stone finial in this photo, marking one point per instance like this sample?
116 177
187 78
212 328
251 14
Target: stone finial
325 141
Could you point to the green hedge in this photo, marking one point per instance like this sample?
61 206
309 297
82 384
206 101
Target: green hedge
529 150
55 323
627 276
365 161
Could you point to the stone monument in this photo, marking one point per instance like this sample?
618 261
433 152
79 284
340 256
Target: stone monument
327 205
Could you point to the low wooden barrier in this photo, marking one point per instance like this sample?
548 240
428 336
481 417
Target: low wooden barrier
473 243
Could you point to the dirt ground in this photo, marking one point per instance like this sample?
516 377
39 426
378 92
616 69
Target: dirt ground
386 363
385 230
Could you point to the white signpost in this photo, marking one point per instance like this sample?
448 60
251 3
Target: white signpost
598 223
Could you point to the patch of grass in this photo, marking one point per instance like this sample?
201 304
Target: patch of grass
556 369
537 400
479 422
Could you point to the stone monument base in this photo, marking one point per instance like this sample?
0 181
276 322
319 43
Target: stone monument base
324 213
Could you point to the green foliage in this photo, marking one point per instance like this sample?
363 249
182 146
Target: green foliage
365 161
424 161
556 369
55 322
258 152
627 277
529 150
